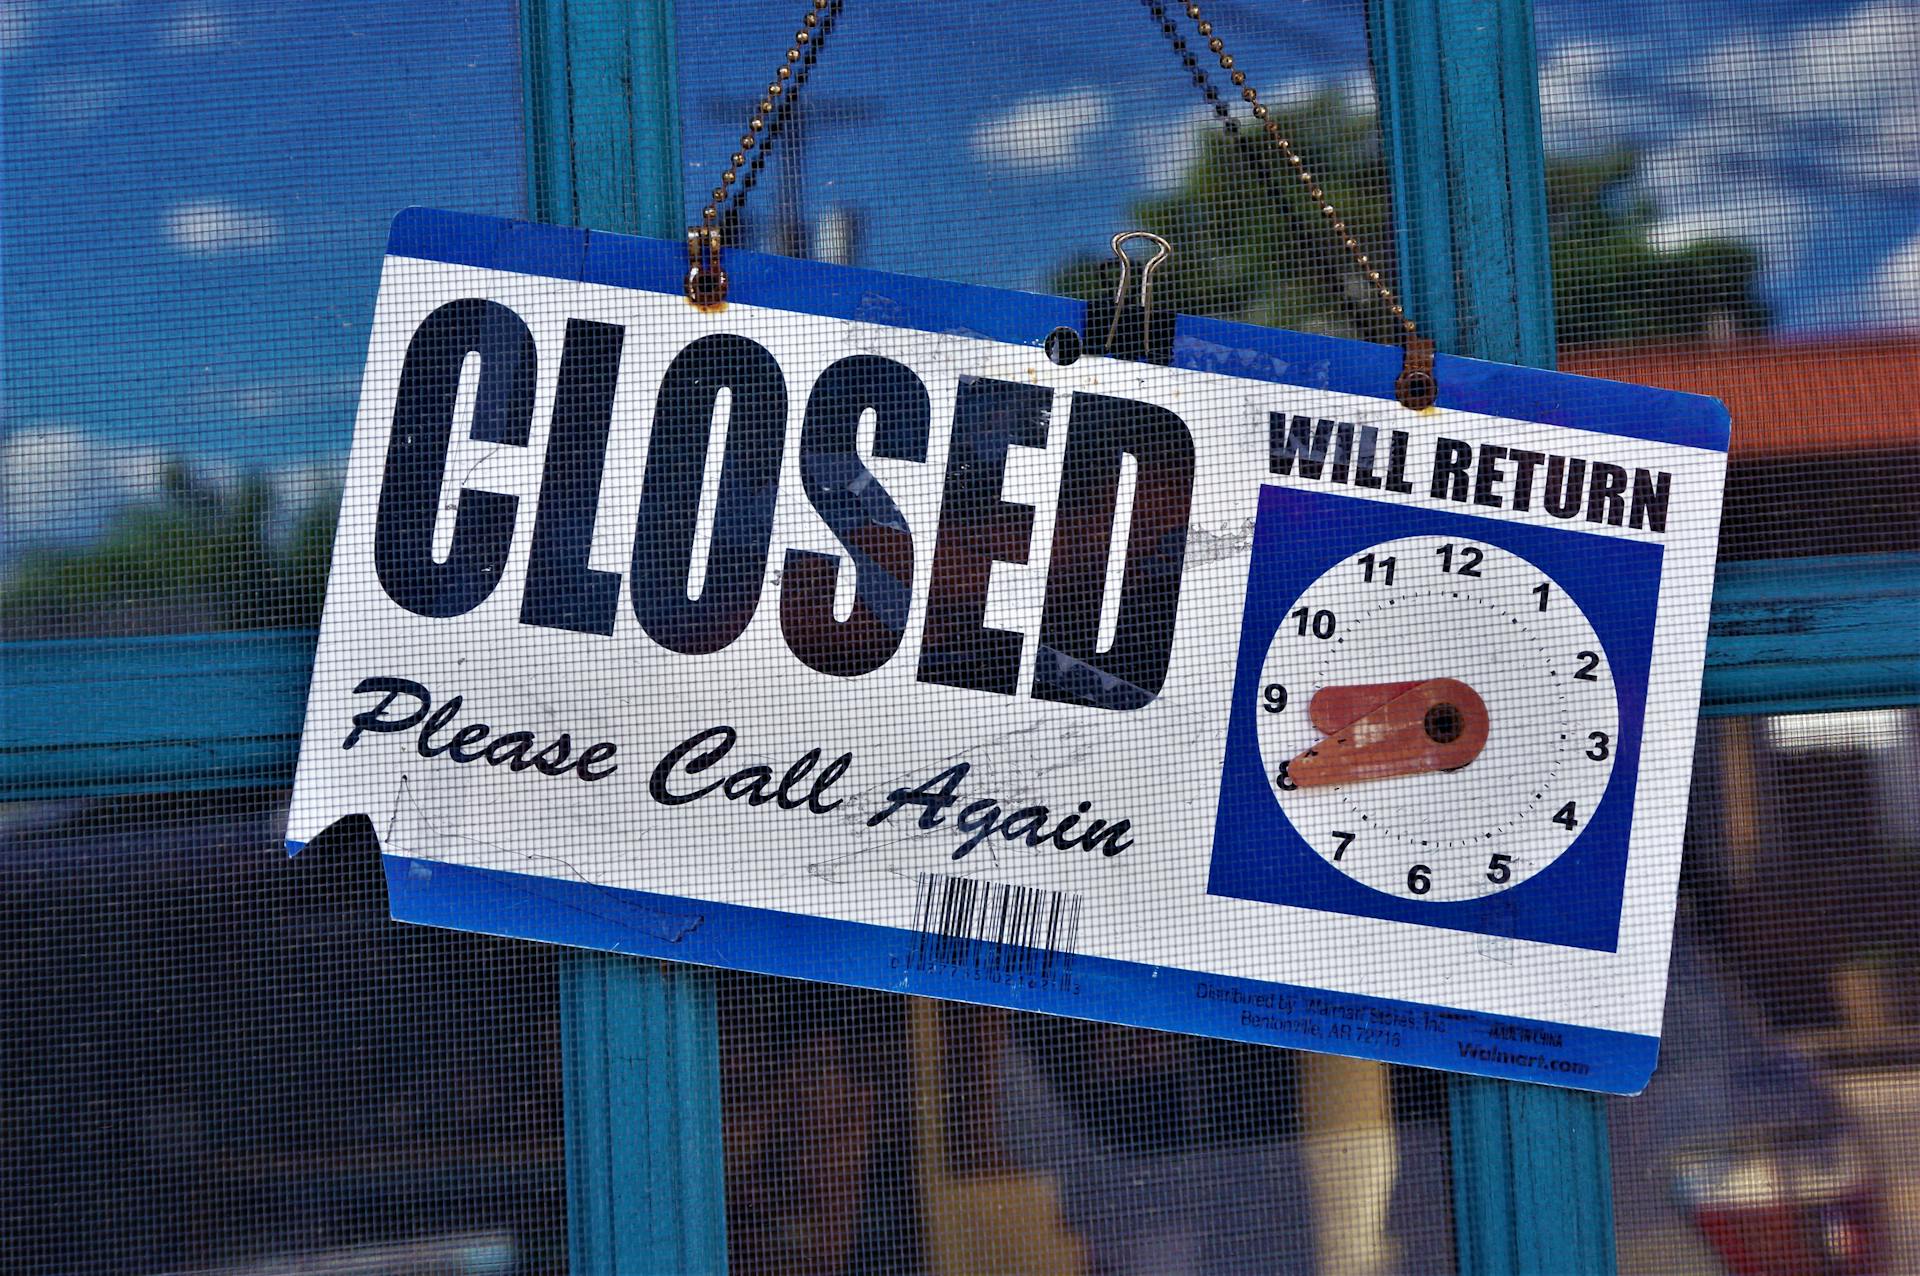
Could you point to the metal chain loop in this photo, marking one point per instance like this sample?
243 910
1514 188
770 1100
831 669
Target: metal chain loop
1416 385
1158 10
770 115
706 278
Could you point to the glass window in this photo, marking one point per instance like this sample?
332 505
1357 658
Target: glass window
1782 1130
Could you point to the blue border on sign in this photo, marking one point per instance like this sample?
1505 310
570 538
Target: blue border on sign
613 919
1023 318
622 920
1258 854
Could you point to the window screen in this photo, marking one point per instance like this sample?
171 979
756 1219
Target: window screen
220 1059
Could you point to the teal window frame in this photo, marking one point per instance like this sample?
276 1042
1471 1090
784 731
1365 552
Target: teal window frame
1460 116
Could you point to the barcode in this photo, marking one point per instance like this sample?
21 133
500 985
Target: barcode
995 927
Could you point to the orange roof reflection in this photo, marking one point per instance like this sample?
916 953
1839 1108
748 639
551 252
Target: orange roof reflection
1785 397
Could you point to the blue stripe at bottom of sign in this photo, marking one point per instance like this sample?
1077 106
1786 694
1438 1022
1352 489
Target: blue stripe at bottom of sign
554 910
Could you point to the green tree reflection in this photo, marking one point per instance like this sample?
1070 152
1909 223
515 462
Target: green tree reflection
201 558
1249 245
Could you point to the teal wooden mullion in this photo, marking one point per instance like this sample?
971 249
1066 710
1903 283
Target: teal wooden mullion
1532 1182
601 115
646 1186
645 1191
1492 109
191 712
1400 36
545 111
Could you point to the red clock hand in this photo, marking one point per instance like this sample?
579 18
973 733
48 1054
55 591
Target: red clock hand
1337 707
1437 725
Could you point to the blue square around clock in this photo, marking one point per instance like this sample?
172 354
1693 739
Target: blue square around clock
1573 897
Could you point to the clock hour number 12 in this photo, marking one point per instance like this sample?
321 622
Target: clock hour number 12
1467 564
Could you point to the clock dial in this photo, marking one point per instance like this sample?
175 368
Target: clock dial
1452 712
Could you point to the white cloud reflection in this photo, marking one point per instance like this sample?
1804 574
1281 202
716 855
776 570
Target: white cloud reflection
217 225
1043 133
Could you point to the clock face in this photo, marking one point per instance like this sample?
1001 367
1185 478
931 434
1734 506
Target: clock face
1437 718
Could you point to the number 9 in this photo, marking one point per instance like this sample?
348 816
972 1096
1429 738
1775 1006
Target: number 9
1276 697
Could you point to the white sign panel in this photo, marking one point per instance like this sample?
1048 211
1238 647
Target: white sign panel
843 633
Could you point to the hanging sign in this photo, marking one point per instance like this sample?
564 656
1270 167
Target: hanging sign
855 632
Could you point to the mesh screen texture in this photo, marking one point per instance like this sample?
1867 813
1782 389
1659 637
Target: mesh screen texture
220 1059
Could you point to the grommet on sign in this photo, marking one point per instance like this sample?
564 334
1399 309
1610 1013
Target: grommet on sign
1415 387
706 285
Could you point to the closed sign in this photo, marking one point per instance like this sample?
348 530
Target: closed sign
843 633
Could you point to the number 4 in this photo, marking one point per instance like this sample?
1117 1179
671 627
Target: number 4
1564 817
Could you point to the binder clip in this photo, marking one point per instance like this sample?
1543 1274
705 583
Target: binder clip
1123 330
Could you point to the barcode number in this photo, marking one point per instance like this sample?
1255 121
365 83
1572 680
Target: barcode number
995 927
